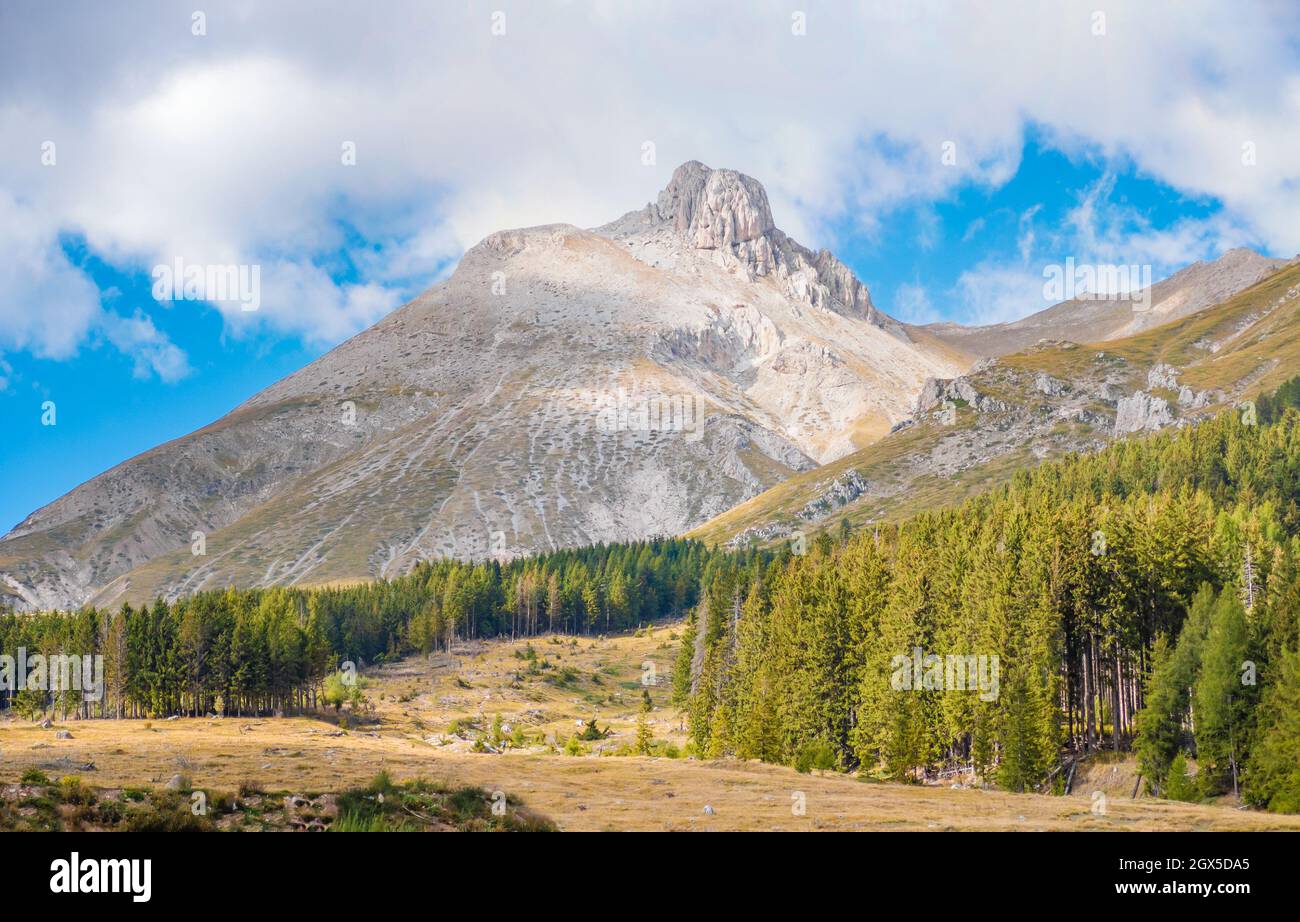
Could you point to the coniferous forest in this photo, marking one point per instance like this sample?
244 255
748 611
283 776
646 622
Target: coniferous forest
266 650
1144 598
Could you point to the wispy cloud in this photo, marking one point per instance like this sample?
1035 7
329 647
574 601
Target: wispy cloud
912 304
153 353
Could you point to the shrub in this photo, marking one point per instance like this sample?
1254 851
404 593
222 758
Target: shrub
1180 785
814 756
72 791
166 814
382 783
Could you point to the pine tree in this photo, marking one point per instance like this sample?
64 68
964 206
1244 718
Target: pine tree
682 672
1179 784
1222 700
643 734
1274 768
1163 721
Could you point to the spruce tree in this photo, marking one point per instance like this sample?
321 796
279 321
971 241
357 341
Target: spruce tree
1222 700
1273 773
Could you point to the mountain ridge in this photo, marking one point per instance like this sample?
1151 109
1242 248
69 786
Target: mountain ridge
975 431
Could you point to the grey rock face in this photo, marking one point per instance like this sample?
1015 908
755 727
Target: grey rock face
713 209
1140 412
1047 385
839 493
727 214
936 392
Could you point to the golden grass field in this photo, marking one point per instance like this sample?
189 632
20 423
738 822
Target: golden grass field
417 700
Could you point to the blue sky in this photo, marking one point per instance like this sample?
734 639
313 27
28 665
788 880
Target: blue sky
136 135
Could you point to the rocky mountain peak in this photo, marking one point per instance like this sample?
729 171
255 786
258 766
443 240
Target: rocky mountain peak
713 209
725 216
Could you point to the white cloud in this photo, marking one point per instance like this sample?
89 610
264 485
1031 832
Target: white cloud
137 337
1025 240
1102 230
912 304
47 306
226 148
993 293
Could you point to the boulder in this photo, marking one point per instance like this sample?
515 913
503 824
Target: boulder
1046 384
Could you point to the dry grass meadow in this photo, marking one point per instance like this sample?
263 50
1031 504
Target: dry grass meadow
419 702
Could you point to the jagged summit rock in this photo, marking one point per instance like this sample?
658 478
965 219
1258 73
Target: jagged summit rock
726 215
714 208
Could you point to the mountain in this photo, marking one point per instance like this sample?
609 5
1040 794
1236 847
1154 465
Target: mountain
976 430
562 387
1089 320
685 367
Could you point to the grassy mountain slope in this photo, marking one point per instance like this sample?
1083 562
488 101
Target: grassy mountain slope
1044 402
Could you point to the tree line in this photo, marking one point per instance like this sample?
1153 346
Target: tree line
1143 596
259 651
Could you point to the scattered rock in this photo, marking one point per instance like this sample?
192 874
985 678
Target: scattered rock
62 735
1165 376
175 783
1046 384
708 810
938 391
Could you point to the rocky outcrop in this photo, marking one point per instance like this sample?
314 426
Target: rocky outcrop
1162 376
727 213
714 209
1142 412
1048 386
841 491
938 391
